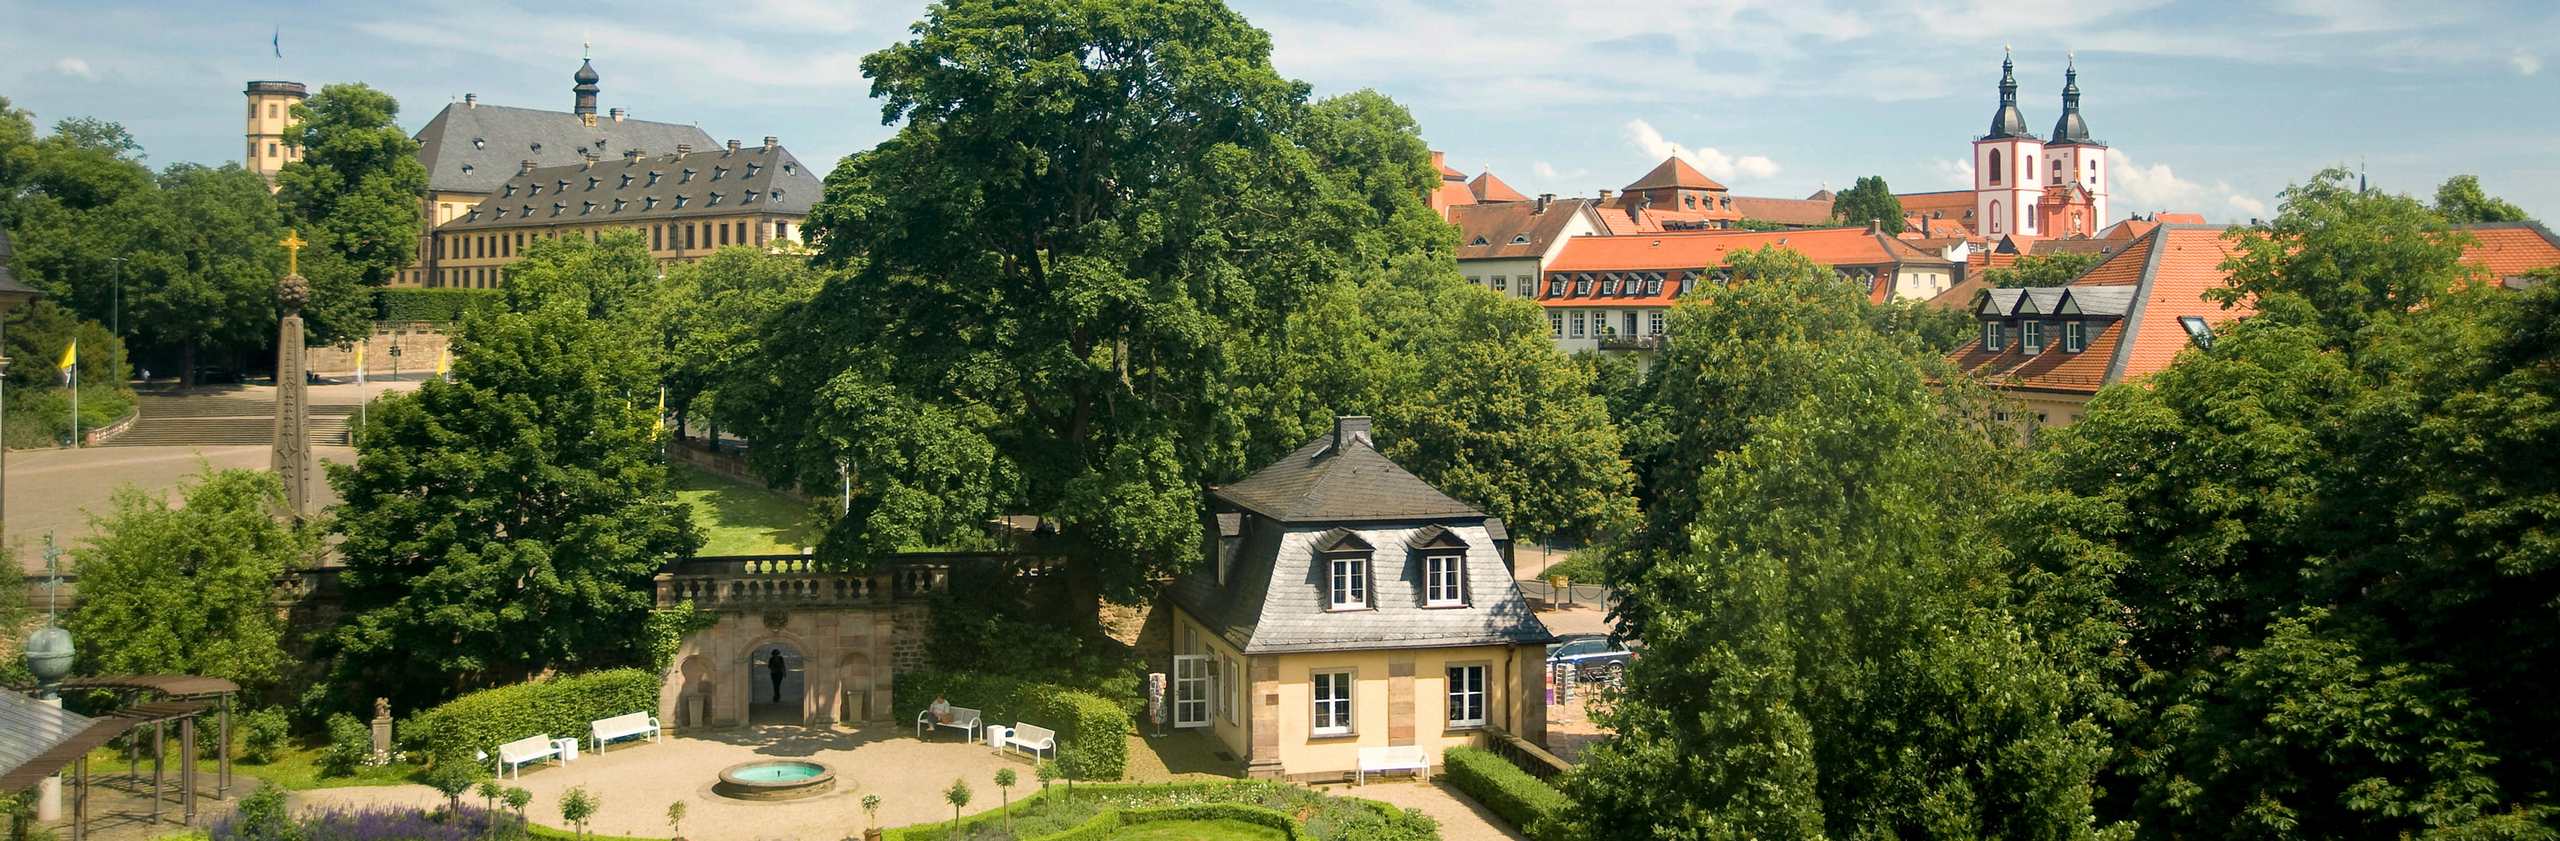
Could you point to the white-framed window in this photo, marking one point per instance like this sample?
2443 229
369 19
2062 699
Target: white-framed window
1191 690
1501 283
1350 583
1555 324
1653 322
1466 696
1555 286
1630 321
1579 320
2075 337
1332 691
1234 674
1474 281
2030 336
1991 337
1444 580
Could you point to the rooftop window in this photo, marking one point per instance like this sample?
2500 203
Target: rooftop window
2197 330
1520 239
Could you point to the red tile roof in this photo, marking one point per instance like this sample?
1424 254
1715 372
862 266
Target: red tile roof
1500 224
2508 249
1805 212
2178 218
1680 253
1487 188
1955 206
2170 269
1674 172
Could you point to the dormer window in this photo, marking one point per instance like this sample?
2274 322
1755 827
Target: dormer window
1555 286
1519 239
564 185
652 203
1479 241
511 192
2030 336
592 181
1346 569
533 189
715 199
626 181
479 143
751 169
1991 337
687 179
1581 285
1608 285
718 171
618 203
748 198
1444 567
1653 283
2075 337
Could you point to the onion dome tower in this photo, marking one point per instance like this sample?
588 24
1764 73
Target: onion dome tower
2077 160
587 90
2005 167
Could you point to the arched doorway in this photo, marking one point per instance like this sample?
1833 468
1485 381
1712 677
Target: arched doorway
777 702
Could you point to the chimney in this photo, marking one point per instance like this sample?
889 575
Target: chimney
470 100
771 141
618 114
683 149
1348 428
1875 226
1543 198
1604 197
1439 160
631 155
526 167
733 144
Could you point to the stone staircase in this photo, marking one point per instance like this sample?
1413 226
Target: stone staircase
217 419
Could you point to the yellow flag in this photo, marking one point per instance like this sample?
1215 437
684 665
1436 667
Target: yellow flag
444 360
70 357
359 365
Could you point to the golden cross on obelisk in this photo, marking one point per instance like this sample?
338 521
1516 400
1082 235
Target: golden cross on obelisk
292 251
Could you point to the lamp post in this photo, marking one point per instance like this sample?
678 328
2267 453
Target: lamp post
115 322
395 362
12 295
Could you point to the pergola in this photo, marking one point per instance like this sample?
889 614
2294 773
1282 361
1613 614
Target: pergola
38 741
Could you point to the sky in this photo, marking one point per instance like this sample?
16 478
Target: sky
2208 106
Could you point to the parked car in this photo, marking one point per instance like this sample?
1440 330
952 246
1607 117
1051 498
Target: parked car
1593 656
208 374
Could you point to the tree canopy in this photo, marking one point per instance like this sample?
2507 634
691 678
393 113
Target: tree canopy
2461 201
188 589
509 521
2033 270
1869 201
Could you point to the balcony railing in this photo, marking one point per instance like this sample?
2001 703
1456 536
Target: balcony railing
1617 342
785 581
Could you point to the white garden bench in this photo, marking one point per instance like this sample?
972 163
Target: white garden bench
1415 758
1030 737
513 756
963 719
623 727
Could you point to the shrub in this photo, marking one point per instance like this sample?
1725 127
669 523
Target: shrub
1092 730
433 304
350 743
266 732
1214 811
1536 808
1582 567
561 707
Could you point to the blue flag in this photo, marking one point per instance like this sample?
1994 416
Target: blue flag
278 41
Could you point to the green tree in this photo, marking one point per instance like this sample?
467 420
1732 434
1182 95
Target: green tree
453 776
1090 212
2054 269
2461 201
188 589
2330 569
507 522
611 278
1868 201
709 319
958 796
1004 789
356 187
577 806
1830 650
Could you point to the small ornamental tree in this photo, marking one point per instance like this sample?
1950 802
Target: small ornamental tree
490 791
518 799
958 796
675 818
1004 796
452 776
1047 771
577 807
871 811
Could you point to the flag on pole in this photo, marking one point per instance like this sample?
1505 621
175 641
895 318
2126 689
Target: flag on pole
359 365
278 40
70 360
444 361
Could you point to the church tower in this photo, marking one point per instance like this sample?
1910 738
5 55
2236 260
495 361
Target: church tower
2006 168
586 90
2076 159
270 118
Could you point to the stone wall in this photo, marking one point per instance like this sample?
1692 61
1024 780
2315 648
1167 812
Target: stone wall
834 654
914 628
421 344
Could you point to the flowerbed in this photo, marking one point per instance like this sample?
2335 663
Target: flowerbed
1097 811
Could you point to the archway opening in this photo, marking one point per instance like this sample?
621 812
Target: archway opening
777 684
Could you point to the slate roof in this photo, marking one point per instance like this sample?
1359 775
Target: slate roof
1320 482
31 730
474 148
621 191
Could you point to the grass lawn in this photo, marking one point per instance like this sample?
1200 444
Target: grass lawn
740 520
298 769
1217 830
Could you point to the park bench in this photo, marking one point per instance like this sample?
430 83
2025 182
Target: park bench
1415 758
624 726
1031 737
963 719
513 756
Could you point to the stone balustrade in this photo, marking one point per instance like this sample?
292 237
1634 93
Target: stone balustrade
789 581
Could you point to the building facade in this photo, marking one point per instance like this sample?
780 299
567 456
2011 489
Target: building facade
1504 245
271 122
1346 604
1612 294
686 205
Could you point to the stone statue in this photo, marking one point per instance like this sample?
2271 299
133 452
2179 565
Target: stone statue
381 709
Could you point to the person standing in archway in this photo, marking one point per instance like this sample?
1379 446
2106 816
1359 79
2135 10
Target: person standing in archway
778 668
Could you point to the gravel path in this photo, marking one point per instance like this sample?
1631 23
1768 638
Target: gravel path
637 780
1461 817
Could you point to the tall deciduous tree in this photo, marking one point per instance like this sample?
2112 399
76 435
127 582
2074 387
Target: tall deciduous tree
188 589
1090 206
1832 650
709 320
354 195
2032 270
2460 200
1869 202
509 521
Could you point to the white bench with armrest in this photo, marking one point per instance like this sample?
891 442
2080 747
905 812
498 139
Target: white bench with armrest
963 719
1031 737
1415 758
623 727
513 756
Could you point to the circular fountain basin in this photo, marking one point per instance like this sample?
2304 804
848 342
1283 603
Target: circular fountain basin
776 779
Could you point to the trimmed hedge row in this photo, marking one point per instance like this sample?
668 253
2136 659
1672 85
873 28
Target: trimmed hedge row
1536 808
1239 812
1092 731
562 707
433 304
1111 819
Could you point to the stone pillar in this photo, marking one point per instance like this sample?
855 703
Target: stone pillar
1262 730
292 457
381 727
1400 697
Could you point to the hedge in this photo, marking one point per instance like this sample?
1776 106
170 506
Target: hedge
1239 812
1092 730
433 304
1110 819
1536 808
561 707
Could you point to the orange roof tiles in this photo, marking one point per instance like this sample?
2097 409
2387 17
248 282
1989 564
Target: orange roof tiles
1674 172
1680 253
2170 269
1955 206
2509 249
1487 188
2178 218
1807 212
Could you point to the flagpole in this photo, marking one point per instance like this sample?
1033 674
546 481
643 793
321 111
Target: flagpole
74 371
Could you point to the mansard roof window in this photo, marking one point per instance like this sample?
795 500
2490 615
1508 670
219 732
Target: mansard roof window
687 179
1519 239
718 171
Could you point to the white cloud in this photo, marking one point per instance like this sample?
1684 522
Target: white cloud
76 69
1715 164
1547 172
1958 172
2143 189
2526 63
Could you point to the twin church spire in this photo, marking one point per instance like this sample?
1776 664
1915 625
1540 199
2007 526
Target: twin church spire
2011 124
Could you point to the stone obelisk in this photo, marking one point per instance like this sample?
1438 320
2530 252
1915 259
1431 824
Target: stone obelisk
292 459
